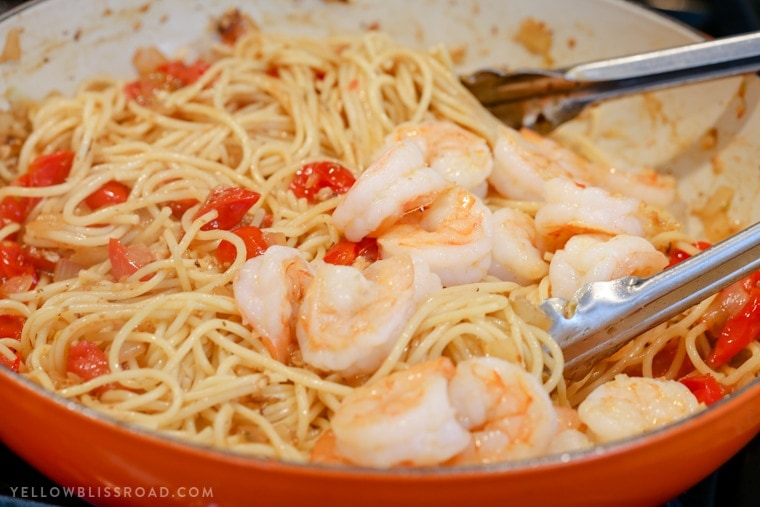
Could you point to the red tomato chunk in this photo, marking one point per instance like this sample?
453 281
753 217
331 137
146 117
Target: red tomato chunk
125 261
43 171
254 240
313 177
112 192
231 205
86 360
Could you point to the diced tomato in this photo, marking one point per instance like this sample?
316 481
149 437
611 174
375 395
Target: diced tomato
664 359
13 263
345 253
42 259
144 89
169 76
267 221
11 364
43 171
15 209
125 261
11 326
738 331
187 74
112 192
181 206
311 178
677 255
47 170
231 205
254 240
86 360
705 387
751 281
342 253
368 249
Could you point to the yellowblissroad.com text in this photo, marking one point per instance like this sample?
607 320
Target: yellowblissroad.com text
94 492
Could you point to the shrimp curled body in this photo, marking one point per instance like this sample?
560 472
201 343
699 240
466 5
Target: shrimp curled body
593 258
508 412
405 418
396 183
627 406
454 236
517 255
268 289
457 154
349 318
481 410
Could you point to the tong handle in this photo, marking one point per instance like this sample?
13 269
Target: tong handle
606 315
544 99
709 56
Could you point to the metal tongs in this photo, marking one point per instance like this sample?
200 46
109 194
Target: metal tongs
544 99
604 316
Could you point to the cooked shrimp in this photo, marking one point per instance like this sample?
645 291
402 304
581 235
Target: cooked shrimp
524 161
349 319
569 436
569 440
573 208
628 406
453 236
506 409
459 155
405 418
592 258
516 255
396 183
646 185
268 290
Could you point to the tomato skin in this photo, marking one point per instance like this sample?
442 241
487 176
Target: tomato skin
705 388
51 169
86 360
738 331
677 255
180 206
187 74
144 89
342 253
42 259
15 209
664 359
43 171
254 240
346 252
112 192
13 262
231 205
169 76
314 176
12 365
11 326
125 261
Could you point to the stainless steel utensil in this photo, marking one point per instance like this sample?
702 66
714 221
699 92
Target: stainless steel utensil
544 99
604 316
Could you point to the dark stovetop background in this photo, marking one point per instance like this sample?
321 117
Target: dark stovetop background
735 484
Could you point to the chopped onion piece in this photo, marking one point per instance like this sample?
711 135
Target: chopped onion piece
66 269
